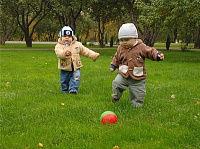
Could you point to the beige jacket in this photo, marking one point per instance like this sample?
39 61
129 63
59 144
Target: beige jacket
77 49
131 62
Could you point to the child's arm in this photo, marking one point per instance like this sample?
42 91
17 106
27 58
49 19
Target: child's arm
89 53
62 54
115 62
153 54
112 68
160 56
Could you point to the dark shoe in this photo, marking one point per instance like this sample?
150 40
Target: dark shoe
114 100
73 92
64 92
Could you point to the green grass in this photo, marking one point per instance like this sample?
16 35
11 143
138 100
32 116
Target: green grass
190 46
50 46
31 110
34 46
23 46
164 45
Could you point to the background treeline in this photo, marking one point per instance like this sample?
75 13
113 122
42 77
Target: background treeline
99 20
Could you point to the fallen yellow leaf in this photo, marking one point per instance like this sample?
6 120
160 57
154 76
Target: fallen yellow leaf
198 103
173 96
40 145
115 147
7 83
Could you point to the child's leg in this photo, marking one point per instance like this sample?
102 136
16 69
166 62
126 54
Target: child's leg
137 92
75 81
119 85
64 80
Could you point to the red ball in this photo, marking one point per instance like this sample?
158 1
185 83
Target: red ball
108 117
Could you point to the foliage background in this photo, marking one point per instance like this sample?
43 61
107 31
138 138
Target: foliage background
98 21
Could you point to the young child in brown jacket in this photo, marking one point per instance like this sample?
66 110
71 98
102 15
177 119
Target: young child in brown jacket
68 51
130 60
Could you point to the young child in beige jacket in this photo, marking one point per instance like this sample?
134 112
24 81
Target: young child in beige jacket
130 60
68 51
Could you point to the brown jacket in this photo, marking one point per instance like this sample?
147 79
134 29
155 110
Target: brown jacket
77 49
131 62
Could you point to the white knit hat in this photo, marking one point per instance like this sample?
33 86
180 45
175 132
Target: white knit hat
66 30
128 30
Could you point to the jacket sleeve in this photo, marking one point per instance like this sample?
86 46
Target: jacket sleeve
115 62
88 53
151 53
60 52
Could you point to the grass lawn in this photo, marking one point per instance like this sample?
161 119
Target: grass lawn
34 46
31 110
51 46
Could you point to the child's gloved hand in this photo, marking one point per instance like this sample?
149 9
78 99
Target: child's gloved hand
111 69
96 56
161 56
68 53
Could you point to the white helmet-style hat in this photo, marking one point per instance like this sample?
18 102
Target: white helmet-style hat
128 30
66 30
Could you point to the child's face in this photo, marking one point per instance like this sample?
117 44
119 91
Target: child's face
127 42
67 39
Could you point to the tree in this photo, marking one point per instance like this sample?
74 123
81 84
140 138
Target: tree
186 20
195 14
48 28
7 23
197 42
168 42
148 16
102 12
6 29
182 21
111 41
29 14
86 28
68 11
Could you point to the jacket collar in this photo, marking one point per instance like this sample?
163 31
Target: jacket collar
61 42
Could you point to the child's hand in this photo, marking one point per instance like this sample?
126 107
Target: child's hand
96 56
111 69
161 56
68 53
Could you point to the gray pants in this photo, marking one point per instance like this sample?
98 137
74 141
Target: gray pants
137 89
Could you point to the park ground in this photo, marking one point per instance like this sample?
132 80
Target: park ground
34 112
10 45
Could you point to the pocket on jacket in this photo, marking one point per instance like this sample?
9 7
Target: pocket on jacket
138 71
123 68
77 60
64 63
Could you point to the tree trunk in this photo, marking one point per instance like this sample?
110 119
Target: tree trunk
149 37
72 23
100 33
175 35
74 16
101 40
187 37
111 41
146 37
28 40
197 43
38 36
2 42
168 42
87 34
5 37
